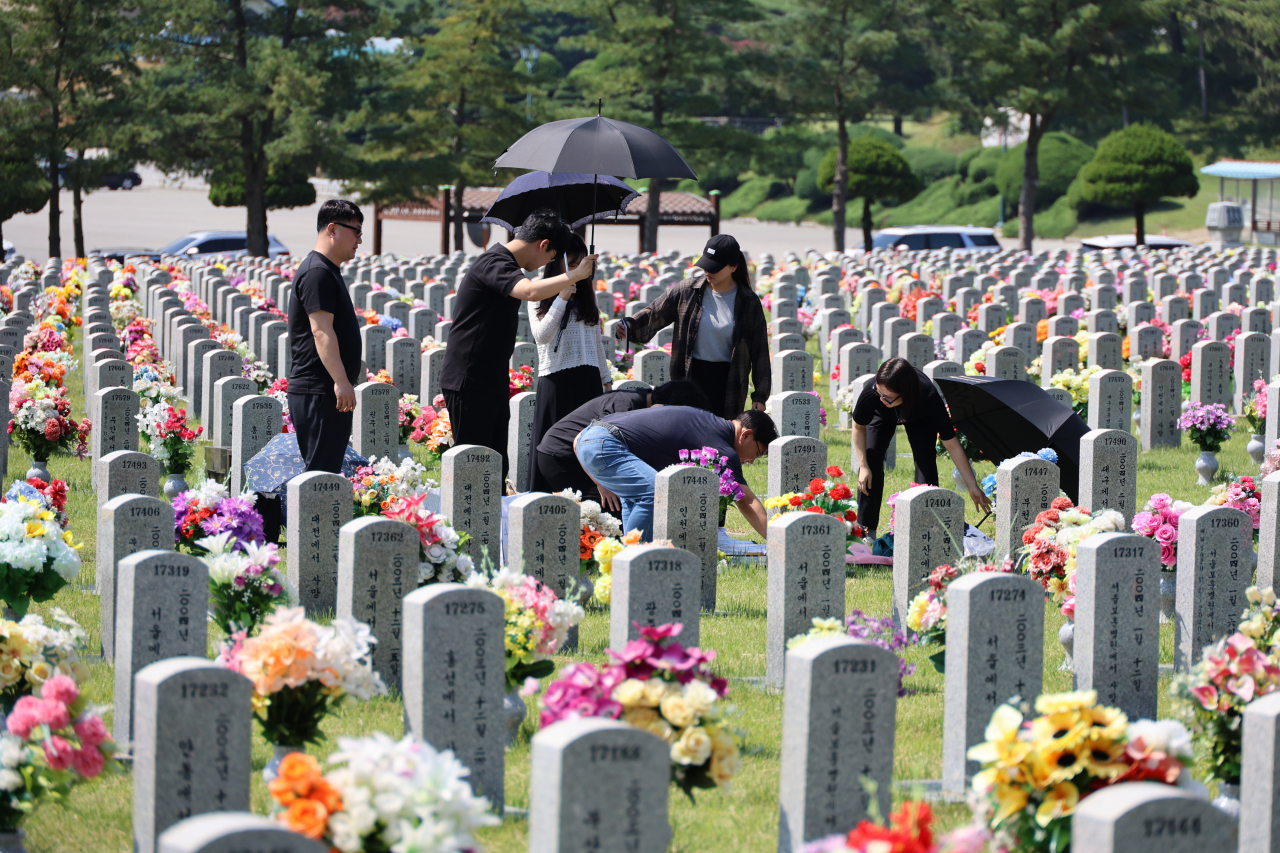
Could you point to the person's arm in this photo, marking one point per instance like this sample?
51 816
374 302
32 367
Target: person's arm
531 291
327 348
961 461
651 319
602 359
753 511
762 368
544 329
860 454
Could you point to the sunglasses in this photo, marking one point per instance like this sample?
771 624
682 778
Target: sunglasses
359 231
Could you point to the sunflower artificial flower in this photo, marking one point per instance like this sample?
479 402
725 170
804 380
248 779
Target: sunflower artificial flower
1054 703
1059 802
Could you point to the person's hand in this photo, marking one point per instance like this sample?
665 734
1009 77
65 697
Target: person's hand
569 290
346 396
583 269
620 330
610 501
980 500
759 407
864 481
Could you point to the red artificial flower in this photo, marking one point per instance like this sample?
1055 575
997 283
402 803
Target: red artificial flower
816 509
817 486
840 491
834 471
1061 503
796 500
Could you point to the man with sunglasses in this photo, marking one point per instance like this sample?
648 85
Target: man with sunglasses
324 341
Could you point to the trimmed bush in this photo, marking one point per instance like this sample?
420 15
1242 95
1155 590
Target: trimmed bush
930 164
750 195
1060 159
859 130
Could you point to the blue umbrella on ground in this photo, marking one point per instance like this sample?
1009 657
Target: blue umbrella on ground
280 461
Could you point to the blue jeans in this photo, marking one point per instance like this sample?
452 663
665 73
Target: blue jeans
606 458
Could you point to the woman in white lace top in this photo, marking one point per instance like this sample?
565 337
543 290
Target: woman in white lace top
572 366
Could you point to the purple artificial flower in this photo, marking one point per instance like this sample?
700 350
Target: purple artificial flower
238 582
684 455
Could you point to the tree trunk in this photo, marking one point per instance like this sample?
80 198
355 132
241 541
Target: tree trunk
1176 44
1030 185
255 192
1204 83
897 124
1139 224
459 226
77 223
55 214
653 218
840 184
866 224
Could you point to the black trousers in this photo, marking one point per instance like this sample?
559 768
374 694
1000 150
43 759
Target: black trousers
323 431
479 415
559 394
555 474
713 378
923 440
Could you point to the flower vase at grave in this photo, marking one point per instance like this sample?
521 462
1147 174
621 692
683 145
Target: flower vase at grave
278 752
1228 800
174 485
11 840
1256 448
40 468
1207 467
1067 637
1168 596
514 713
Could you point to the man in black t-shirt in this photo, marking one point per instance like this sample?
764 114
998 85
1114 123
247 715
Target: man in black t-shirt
624 452
558 467
324 341
474 377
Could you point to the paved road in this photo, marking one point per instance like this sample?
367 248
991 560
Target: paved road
151 216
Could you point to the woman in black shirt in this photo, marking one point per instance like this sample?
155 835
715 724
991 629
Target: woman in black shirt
903 396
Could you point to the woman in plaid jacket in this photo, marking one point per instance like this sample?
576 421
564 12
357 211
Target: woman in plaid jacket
721 339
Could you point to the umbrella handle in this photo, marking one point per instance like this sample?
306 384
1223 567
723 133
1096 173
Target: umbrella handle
984 518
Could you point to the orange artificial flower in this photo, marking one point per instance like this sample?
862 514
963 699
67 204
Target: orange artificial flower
632 537
307 817
299 773
587 544
1124 347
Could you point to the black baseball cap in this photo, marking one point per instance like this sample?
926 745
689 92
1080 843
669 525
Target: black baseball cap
721 251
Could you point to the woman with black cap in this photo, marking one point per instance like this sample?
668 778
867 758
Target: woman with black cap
721 340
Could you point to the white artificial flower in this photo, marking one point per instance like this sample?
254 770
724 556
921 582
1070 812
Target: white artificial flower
10 780
12 752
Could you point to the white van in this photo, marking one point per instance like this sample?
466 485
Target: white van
962 238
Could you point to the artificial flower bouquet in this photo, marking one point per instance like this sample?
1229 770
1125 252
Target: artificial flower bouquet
519 379
537 622
729 489
660 686
37 556
40 367
280 391
1035 773
440 557
1159 521
1076 383
1255 407
860 626
53 496
1050 544
257 372
208 510
438 427
597 526
927 612
245 586
51 743
301 671
910 830
1240 493
410 413
825 497
32 652
383 795
1232 673
1209 426
41 424
171 440
376 484
602 556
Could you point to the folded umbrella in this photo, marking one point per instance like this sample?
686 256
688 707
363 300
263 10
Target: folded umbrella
1005 417
570 194
272 467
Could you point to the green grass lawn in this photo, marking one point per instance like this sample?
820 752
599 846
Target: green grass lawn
97 816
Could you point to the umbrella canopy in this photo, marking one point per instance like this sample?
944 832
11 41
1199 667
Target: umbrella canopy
578 197
596 146
1005 417
280 461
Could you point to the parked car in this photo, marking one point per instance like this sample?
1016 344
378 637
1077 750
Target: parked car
7 251
121 180
1125 241
922 237
197 244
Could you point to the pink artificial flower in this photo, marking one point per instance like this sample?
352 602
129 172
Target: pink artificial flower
1207 695
22 719
58 753
1243 686
60 688
1161 501
1167 534
1143 523
91 731
1168 555
88 762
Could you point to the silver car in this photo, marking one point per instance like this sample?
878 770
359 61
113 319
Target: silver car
199 244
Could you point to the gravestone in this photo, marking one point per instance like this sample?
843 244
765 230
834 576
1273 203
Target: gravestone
520 447
1252 355
162 604
968 341
1105 351
227 391
995 651
806 581
839 714
686 513
1203 303
1101 320
404 362
526 355
1020 335
1269 532
1063 326
1110 400
1161 404
1058 354
471 497
1210 373
1108 471
373 347
1117 633
1145 342
653 367
991 316
795 413
377 567
126 525
1221 324
654 585
317 505
794 462
126 472
929 531
893 330
375 426
194 387
598 785
917 348
1147 817
542 539
116 425
792 370
1024 489
455 678
214 365
432 364
1183 338
1031 309
1259 782
1214 569
781 343
1174 308
193 740
234 832
254 422
1007 363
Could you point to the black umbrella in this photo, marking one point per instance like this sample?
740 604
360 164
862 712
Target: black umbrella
1005 417
596 146
573 195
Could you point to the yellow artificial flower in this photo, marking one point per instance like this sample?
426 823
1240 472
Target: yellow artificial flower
1103 758
35 529
693 748
662 729
1059 802
630 693
1010 799
654 690
40 672
1254 626
916 610
678 711
1054 703
1105 723
641 718
1058 730
1054 762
